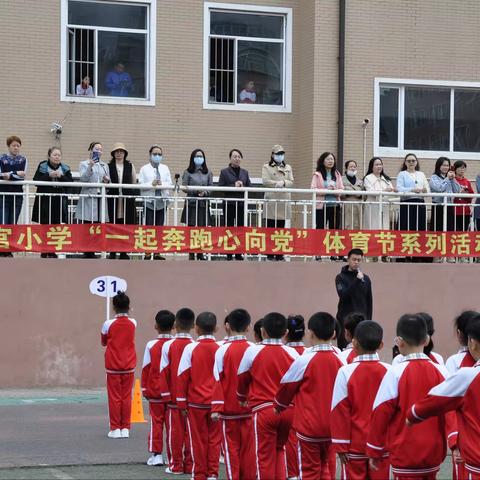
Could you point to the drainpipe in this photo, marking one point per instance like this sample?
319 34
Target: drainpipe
341 80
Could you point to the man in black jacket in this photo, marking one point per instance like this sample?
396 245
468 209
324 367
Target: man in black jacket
354 291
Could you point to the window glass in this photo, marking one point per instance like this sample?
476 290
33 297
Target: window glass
467 121
246 25
388 117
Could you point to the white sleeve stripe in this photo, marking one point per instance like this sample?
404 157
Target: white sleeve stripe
219 359
457 384
374 446
217 402
297 369
291 351
340 389
164 358
248 358
146 357
338 440
414 413
452 434
186 358
106 326
388 389
181 399
281 404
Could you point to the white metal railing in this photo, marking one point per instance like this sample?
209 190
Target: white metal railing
219 206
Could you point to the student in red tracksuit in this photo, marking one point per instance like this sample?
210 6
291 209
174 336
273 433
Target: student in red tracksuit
309 383
351 321
194 397
236 421
463 358
460 393
259 374
118 335
415 452
178 441
294 339
151 387
355 389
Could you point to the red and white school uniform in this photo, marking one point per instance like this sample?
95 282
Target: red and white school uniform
151 389
292 444
178 441
348 354
356 387
236 421
460 393
118 335
259 374
309 382
195 391
415 451
433 356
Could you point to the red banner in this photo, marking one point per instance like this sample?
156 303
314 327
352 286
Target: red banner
280 241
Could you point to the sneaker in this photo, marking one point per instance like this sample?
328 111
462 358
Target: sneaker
150 459
125 433
157 459
170 471
117 433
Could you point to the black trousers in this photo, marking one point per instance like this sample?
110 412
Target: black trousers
329 215
413 217
436 220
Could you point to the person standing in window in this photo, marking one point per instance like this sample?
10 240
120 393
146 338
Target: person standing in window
233 208
277 174
442 181
326 176
121 210
195 212
155 174
84 88
248 94
119 82
89 203
412 181
376 180
50 206
352 208
13 168
463 205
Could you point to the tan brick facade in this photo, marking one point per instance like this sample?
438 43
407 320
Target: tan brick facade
420 39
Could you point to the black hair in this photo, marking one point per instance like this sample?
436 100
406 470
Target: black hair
90 147
369 335
355 251
153 147
473 330
322 324
412 328
352 320
185 319
321 167
462 323
206 321
295 328
370 168
430 331
164 320
275 324
51 149
192 167
404 167
238 319
121 302
257 326
459 164
440 161
348 162
230 153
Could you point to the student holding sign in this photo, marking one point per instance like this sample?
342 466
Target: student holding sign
118 335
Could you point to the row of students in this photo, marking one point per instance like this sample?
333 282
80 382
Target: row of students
250 398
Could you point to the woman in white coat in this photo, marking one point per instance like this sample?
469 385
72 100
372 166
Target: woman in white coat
376 180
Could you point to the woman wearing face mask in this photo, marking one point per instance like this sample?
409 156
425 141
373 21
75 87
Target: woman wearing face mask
462 205
51 209
352 208
89 203
329 211
277 174
195 212
442 181
236 177
121 209
412 181
376 180
154 174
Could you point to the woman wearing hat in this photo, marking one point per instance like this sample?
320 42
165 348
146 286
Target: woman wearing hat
121 202
277 174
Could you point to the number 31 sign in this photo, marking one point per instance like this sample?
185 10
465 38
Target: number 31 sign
107 286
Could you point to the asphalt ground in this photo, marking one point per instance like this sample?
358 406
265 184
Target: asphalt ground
61 434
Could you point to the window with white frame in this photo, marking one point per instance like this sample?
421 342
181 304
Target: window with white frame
247 57
108 50
429 118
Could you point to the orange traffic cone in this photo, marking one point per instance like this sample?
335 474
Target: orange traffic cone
137 406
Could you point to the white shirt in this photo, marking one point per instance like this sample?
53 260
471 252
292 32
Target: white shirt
147 175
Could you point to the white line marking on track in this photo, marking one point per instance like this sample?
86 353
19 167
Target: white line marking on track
57 473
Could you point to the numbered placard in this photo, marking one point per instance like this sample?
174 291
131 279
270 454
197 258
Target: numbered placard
107 286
